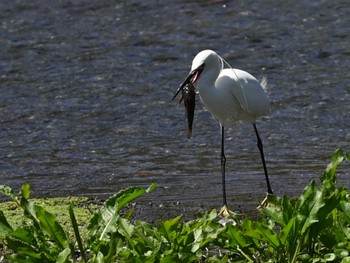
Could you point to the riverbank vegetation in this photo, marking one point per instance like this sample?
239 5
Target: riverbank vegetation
315 227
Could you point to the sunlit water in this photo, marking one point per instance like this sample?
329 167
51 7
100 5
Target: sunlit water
86 90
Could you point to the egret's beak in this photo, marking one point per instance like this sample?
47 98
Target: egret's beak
192 77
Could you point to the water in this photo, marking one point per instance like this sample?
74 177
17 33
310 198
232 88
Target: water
86 90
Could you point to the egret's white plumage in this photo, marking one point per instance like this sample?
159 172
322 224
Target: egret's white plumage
230 95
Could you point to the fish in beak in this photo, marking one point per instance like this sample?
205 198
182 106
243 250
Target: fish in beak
192 77
189 96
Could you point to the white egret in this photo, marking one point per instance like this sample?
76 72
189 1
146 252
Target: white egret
230 95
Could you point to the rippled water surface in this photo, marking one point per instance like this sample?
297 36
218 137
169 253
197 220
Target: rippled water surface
86 88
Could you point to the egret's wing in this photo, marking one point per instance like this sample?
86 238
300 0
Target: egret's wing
249 92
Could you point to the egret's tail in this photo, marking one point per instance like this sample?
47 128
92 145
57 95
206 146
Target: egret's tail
263 83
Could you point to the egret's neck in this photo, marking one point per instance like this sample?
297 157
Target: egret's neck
207 79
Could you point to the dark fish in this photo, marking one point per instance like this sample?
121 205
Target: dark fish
189 98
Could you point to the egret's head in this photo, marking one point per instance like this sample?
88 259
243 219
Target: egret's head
204 61
209 58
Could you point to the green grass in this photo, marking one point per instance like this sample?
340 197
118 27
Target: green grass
315 227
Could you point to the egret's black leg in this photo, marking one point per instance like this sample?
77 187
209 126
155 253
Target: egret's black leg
223 162
260 146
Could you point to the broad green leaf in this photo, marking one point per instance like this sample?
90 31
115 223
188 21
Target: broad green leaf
29 211
125 228
23 248
330 257
110 253
304 257
16 258
198 237
98 258
330 172
345 206
151 188
5 227
25 191
346 260
25 235
148 239
263 233
288 209
274 211
103 222
303 204
128 196
168 227
64 256
6 190
107 223
285 233
341 252
50 225
347 156
332 201
309 205
235 237
169 259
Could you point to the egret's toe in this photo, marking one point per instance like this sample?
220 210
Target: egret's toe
226 213
264 203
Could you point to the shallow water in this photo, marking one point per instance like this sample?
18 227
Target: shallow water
86 90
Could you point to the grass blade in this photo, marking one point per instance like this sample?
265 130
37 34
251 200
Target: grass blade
76 232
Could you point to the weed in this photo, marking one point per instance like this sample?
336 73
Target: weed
314 227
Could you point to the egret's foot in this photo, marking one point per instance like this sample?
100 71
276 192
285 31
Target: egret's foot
226 213
264 203
227 216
